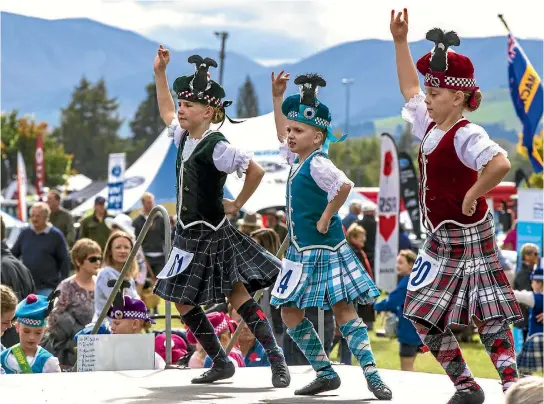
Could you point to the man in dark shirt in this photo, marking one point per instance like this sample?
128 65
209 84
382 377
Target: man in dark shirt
60 217
153 244
42 248
18 277
94 226
368 222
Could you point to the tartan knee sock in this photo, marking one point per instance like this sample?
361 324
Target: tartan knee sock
259 325
499 344
354 331
447 352
201 327
308 341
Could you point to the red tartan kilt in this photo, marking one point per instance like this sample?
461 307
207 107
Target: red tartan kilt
470 281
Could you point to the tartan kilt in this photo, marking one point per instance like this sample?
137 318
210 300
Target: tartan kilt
470 281
531 355
327 278
221 258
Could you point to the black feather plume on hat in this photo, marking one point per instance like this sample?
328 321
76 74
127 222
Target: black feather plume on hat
119 300
443 40
201 81
309 84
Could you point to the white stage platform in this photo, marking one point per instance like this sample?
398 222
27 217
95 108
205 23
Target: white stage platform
248 386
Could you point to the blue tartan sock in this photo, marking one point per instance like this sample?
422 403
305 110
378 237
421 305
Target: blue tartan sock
354 331
308 342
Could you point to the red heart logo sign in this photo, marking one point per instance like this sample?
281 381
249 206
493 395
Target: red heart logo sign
387 225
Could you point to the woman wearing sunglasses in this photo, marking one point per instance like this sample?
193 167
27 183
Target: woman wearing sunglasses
74 307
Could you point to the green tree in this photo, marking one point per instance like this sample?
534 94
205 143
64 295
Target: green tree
146 125
247 105
20 134
89 129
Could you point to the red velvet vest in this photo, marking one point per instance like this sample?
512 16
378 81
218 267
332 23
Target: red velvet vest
445 181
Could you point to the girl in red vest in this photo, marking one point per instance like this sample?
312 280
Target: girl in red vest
457 278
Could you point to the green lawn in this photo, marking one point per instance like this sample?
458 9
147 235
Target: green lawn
387 353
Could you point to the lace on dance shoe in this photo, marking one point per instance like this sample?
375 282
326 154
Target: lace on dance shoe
472 395
378 387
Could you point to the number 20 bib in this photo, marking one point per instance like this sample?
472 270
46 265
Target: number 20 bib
424 271
288 279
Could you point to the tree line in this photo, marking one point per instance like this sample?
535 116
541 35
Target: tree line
89 130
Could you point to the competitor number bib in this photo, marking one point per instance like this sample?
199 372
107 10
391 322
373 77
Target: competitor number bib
424 271
288 279
178 262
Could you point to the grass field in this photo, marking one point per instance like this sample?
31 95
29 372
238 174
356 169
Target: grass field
387 353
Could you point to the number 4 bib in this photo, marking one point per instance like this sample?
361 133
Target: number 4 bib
424 271
288 279
178 262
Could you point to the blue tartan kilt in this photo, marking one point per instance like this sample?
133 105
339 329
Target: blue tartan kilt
328 277
531 355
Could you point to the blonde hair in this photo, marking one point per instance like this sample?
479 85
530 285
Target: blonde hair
108 253
268 239
355 230
147 195
218 115
409 255
477 100
527 248
82 249
527 391
8 300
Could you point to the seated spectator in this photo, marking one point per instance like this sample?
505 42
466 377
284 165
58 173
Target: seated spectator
144 286
251 349
115 255
526 391
250 223
530 358
179 347
8 304
130 317
223 327
394 303
28 356
75 306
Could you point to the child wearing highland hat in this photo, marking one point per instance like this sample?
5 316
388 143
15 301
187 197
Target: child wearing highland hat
28 356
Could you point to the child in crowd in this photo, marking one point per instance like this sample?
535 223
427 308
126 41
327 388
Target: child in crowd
28 356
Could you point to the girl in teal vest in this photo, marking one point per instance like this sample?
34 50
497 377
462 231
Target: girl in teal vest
28 356
210 259
320 269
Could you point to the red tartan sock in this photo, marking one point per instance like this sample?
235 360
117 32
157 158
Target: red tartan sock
499 344
447 352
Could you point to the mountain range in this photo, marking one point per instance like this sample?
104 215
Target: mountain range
43 60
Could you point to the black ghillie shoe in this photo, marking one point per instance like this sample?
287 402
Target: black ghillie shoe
217 372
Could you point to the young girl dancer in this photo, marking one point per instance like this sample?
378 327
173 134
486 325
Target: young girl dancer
457 278
210 258
320 269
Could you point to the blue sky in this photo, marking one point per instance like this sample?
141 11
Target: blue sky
277 30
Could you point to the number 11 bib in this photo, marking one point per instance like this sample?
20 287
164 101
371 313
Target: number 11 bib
288 279
424 271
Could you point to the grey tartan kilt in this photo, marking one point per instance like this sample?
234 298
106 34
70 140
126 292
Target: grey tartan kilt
221 258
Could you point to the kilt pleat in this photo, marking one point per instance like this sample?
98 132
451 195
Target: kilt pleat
470 281
221 258
531 355
328 277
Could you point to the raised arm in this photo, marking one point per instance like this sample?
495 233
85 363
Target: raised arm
167 108
406 70
279 84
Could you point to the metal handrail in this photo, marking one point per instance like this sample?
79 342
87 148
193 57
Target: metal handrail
167 247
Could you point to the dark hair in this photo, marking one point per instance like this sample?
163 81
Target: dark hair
56 193
3 229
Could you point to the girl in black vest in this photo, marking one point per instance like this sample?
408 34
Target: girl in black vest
457 278
210 258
